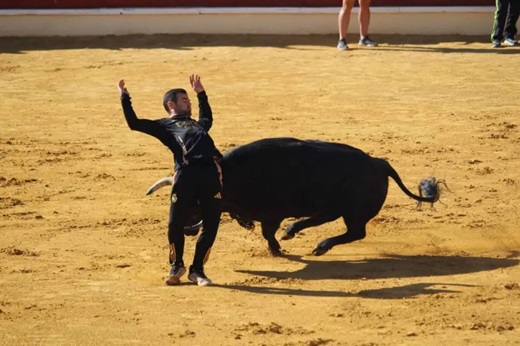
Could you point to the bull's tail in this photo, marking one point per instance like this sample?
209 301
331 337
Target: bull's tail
431 198
167 181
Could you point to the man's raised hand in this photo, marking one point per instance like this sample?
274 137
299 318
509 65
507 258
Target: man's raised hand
121 87
196 84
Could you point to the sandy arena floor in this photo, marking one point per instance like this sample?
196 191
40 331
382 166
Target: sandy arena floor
83 250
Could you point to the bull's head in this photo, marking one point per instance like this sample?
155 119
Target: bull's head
193 217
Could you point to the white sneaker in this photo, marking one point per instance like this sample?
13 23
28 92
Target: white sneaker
510 41
198 277
367 42
342 44
176 272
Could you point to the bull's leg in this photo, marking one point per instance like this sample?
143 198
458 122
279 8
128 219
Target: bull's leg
268 232
299 225
354 232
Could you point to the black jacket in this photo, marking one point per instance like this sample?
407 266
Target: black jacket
188 139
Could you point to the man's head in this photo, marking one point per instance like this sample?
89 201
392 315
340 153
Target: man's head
177 102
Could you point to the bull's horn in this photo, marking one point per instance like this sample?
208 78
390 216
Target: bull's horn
160 183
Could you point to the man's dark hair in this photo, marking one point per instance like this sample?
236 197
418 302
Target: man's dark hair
171 95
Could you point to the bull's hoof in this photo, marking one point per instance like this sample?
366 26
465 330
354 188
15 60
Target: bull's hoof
287 236
275 252
319 251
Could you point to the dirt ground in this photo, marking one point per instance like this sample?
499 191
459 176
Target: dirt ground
83 250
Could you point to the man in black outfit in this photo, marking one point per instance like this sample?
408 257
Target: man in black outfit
504 25
197 175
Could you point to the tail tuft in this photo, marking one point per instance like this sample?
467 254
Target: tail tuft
431 188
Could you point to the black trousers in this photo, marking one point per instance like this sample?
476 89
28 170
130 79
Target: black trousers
506 16
197 184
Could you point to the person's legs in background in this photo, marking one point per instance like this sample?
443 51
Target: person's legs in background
343 22
497 35
510 29
364 23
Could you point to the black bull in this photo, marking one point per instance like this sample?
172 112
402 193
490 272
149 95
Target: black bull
272 179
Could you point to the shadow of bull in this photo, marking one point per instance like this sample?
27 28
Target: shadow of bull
389 267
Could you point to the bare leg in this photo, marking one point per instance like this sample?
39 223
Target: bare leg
364 17
344 17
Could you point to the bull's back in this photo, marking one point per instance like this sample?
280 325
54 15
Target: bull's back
294 178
